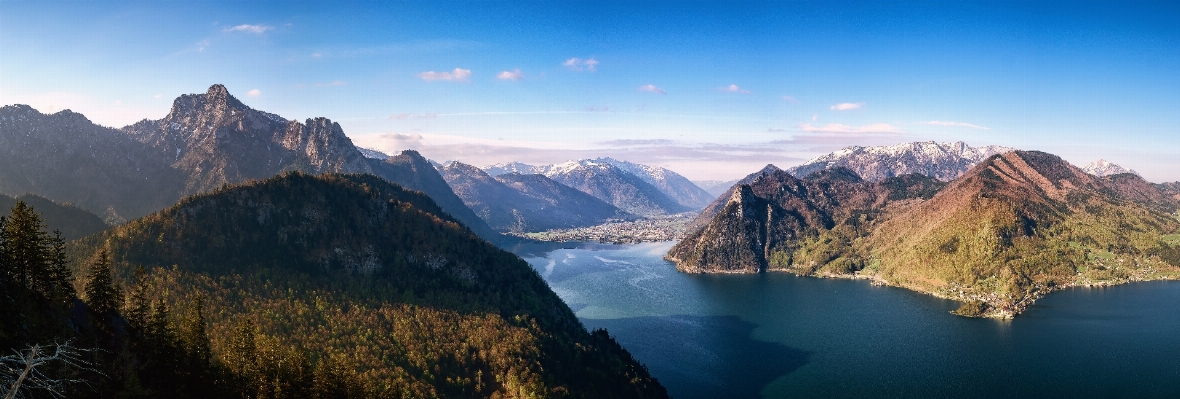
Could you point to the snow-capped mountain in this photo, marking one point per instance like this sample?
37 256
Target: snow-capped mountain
373 154
1103 168
513 167
943 161
670 183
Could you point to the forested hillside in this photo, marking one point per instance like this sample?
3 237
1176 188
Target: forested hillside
302 286
352 285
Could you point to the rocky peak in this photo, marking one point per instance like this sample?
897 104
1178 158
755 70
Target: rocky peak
1103 168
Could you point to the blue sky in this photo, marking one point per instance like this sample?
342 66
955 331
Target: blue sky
713 90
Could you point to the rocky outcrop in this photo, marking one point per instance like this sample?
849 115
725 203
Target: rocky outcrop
216 140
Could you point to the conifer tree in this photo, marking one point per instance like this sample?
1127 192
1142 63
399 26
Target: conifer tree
101 293
59 271
138 309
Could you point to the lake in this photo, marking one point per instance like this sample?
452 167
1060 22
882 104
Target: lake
776 335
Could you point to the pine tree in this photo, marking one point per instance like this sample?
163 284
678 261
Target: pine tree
101 293
26 242
60 275
138 309
198 350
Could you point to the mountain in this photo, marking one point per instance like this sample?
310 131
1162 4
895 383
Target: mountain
413 171
772 214
1015 227
66 157
351 283
1103 168
943 161
514 167
72 221
712 209
372 154
526 203
1171 189
670 183
715 187
205 142
216 140
615 186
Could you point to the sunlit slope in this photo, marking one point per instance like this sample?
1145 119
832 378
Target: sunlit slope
1020 224
373 280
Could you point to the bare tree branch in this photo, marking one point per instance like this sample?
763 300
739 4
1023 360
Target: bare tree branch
22 373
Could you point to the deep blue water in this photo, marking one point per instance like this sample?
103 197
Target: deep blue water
779 336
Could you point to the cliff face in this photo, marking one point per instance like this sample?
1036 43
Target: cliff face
217 140
776 213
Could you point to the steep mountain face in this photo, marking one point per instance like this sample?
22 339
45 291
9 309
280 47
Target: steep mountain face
943 161
72 221
1015 227
526 203
715 207
670 183
216 140
413 171
1102 168
616 187
382 290
775 219
67 158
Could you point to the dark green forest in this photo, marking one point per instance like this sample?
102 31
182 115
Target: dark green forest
299 286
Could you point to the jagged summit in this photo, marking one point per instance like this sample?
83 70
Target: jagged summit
1102 168
218 140
943 161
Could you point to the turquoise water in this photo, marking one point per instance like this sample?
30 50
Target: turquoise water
779 336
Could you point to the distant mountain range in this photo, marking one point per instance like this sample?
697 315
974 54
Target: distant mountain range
639 189
205 142
1103 168
519 203
943 161
1014 227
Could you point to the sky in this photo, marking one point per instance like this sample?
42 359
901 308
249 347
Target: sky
712 90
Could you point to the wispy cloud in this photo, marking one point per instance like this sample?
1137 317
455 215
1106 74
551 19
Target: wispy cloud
254 93
634 142
405 116
733 89
514 74
579 64
652 88
790 99
841 128
846 106
257 29
457 75
956 124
